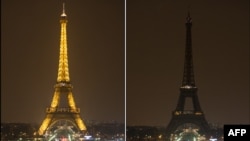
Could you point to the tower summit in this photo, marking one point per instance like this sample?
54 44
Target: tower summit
182 117
63 107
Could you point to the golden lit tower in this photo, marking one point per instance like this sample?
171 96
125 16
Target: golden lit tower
63 106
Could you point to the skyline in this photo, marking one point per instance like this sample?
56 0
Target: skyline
155 58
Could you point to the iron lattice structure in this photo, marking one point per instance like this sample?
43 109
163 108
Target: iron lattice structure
180 115
63 105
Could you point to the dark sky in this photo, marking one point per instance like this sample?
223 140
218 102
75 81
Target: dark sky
30 53
154 52
155 59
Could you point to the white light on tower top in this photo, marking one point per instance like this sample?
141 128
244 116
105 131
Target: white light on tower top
63 14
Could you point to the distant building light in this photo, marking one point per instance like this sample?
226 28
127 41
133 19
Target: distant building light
87 137
188 87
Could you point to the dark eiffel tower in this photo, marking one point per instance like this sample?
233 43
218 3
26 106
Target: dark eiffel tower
181 116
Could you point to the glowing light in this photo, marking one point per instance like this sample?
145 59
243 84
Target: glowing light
63 70
198 113
160 136
190 134
52 137
55 99
87 137
177 113
44 125
69 137
188 87
71 101
80 124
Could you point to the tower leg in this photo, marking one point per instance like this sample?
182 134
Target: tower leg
45 124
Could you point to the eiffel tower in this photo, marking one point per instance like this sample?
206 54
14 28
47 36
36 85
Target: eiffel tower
181 116
63 90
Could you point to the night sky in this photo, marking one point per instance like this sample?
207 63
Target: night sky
30 54
155 45
156 36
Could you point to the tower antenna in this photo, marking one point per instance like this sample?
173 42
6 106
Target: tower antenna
63 13
63 7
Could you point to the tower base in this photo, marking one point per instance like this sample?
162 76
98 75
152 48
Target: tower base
67 114
187 117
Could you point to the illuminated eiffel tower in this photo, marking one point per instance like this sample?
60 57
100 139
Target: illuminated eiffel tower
182 116
63 90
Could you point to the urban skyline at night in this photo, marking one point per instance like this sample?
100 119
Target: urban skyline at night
155 47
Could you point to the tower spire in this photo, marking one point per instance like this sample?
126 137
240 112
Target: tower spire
188 80
63 13
63 69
